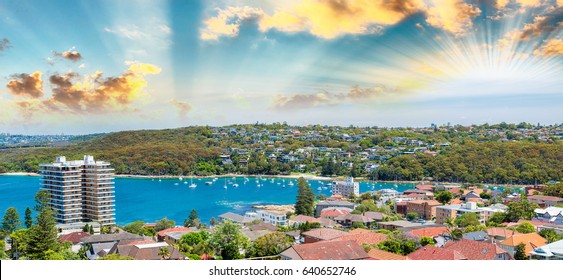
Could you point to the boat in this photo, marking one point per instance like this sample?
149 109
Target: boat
180 178
283 186
192 185
395 185
319 189
290 183
185 182
208 183
235 185
175 184
225 187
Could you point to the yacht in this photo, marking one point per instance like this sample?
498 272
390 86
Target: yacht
209 183
290 183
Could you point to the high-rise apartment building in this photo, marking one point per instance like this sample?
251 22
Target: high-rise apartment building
81 190
345 188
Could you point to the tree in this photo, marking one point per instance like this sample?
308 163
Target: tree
212 222
520 210
28 219
485 195
520 252
42 200
467 219
425 240
164 253
305 198
412 216
135 227
496 219
229 240
554 190
86 228
116 257
550 235
43 235
400 245
192 220
444 197
3 255
11 221
358 225
163 224
272 244
91 230
525 227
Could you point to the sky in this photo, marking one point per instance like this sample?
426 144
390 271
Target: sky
79 67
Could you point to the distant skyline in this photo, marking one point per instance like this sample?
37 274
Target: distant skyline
80 67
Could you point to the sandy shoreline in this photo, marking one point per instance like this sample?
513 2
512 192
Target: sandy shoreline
19 174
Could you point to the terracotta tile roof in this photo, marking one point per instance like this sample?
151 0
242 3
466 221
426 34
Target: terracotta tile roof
476 250
425 187
430 252
74 237
324 233
377 254
359 231
150 253
333 212
375 215
162 233
500 231
402 203
545 197
327 222
330 250
368 237
454 190
303 219
354 218
473 199
530 240
455 201
430 231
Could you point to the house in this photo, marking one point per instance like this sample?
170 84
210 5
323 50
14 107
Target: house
301 219
551 251
377 254
77 227
150 251
325 250
322 234
428 188
272 217
475 250
395 225
74 238
375 216
164 235
498 234
99 245
550 214
427 231
491 210
333 203
558 228
363 236
235 218
530 240
425 209
476 236
430 252
446 212
333 212
255 234
544 200
347 220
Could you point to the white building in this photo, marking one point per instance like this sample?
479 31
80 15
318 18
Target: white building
274 218
345 188
81 190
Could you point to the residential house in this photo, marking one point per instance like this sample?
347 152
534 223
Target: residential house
430 252
333 203
550 214
363 236
428 188
301 219
151 251
544 200
427 231
333 212
74 238
476 236
401 207
347 220
100 244
375 216
425 209
530 240
326 250
272 217
475 250
235 218
322 234
499 234
490 210
163 235
551 251
396 225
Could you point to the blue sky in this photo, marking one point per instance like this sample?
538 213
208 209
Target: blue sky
97 66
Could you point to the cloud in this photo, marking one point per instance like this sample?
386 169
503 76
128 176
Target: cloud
553 47
228 21
543 25
356 94
71 55
73 93
27 85
4 44
454 16
183 108
152 34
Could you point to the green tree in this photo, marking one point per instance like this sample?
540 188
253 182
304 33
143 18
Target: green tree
28 219
192 220
554 190
444 197
3 255
525 227
11 221
399 245
467 219
229 240
550 235
192 239
86 228
522 209
272 244
52 255
212 222
135 227
163 224
425 240
358 225
164 253
520 252
43 235
91 230
42 200
412 216
305 198
496 219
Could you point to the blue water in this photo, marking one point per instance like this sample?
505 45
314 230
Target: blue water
150 199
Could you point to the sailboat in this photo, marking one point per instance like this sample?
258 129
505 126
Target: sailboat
192 185
225 187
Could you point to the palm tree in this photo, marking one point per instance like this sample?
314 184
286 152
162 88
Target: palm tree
164 253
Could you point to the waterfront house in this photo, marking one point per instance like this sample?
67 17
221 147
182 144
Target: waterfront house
530 240
326 250
272 217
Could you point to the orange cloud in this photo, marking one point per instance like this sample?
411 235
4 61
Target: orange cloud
542 26
356 94
183 108
71 55
553 47
4 44
228 21
30 85
454 16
